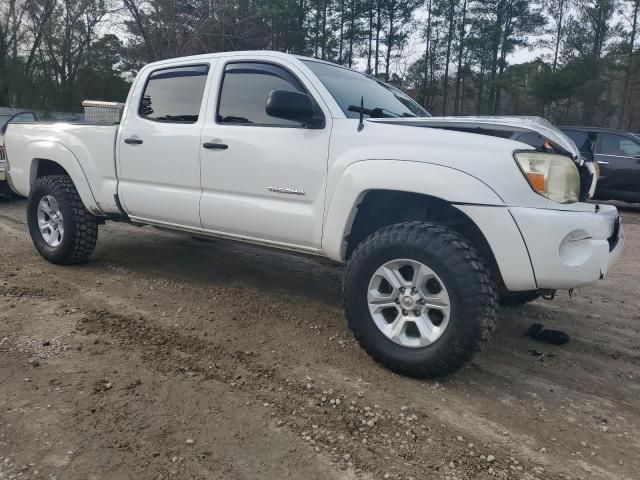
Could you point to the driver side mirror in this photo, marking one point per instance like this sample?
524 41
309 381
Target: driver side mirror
289 105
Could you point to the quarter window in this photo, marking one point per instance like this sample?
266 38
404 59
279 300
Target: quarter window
174 95
244 92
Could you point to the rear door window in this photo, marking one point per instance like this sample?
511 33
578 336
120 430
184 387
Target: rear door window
618 145
174 95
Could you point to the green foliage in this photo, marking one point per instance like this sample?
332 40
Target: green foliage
454 56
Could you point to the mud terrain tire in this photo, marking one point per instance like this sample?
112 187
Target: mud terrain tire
80 228
467 281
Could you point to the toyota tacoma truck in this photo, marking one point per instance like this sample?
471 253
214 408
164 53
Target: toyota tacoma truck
435 219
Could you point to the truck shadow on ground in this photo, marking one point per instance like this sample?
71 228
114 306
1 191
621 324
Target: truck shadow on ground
213 263
221 262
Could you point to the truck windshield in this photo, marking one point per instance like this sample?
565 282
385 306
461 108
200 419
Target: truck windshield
348 87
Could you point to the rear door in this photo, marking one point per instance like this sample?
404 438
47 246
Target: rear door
619 159
159 146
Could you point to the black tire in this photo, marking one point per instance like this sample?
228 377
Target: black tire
513 299
80 227
467 279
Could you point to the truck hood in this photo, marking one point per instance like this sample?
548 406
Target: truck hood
486 125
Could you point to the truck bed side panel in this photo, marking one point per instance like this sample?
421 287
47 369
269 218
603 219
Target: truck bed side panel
85 151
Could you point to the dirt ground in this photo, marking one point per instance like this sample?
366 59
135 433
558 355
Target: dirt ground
171 358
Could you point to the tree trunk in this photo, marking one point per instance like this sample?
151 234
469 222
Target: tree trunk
390 38
426 56
460 58
341 31
629 63
479 109
316 37
506 33
448 57
370 44
378 28
324 29
352 31
556 51
432 70
495 52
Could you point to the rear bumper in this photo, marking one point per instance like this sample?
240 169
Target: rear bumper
570 249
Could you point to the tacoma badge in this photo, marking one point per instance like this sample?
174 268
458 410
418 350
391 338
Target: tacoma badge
290 191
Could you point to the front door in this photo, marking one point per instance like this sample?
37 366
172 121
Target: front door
619 159
159 147
263 178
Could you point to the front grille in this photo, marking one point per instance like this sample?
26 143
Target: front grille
3 157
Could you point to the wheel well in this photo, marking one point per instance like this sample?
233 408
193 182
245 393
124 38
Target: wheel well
380 208
49 167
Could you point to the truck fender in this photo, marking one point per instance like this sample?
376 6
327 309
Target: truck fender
445 183
55 152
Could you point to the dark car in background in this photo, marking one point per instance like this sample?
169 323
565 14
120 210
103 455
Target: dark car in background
617 154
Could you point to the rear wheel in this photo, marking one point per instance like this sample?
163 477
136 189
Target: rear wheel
419 299
61 228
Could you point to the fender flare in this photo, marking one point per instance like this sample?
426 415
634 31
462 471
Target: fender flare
56 152
445 183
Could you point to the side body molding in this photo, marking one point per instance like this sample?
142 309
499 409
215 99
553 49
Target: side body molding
58 153
360 177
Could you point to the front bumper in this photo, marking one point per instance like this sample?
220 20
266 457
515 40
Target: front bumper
570 249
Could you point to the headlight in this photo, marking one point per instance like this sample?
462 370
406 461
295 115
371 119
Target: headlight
553 176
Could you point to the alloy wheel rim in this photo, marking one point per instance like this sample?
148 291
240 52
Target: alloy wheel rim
50 221
409 303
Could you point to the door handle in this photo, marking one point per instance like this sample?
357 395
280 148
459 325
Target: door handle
602 162
133 141
212 146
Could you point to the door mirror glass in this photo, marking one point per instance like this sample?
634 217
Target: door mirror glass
290 105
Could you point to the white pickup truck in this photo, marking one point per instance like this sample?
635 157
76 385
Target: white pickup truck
435 218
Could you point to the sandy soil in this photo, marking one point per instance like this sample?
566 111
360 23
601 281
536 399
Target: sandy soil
172 358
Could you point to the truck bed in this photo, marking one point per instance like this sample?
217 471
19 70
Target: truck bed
89 147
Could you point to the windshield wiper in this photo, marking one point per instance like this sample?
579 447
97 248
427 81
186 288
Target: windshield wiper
375 112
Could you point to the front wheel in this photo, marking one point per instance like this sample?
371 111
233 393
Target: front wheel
419 299
61 228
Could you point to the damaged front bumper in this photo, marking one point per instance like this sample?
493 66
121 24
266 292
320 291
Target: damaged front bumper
570 249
